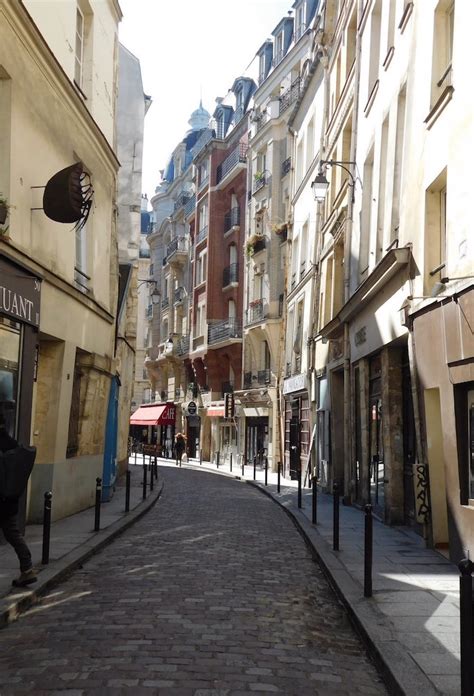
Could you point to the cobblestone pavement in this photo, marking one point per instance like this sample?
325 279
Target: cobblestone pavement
212 593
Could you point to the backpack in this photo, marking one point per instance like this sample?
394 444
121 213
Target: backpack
15 469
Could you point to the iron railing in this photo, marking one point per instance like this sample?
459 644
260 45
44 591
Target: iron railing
179 294
291 94
182 199
300 30
165 303
259 245
255 312
239 154
278 57
190 205
286 166
231 219
177 244
230 275
259 182
202 234
264 376
247 380
224 330
182 345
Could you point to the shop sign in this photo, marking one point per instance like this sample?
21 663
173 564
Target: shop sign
192 408
294 384
20 298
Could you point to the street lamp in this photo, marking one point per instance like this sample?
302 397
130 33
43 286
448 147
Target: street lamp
320 185
155 293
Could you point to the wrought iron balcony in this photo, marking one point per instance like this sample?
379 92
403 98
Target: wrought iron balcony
230 275
259 181
224 330
165 303
231 219
259 245
239 154
286 166
264 376
202 234
247 380
300 30
149 311
182 345
179 295
177 245
278 58
182 199
190 205
291 94
255 312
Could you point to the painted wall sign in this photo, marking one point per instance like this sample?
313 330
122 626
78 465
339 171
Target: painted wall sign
20 294
360 336
294 383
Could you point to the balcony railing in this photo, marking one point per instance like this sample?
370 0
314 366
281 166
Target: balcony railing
286 166
177 393
231 219
255 312
224 330
239 154
189 207
264 376
203 182
179 294
247 380
260 181
182 199
149 311
230 275
291 94
279 55
202 234
259 245
165 303
178 244
182 345
300 30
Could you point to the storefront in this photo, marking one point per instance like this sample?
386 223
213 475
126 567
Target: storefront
297 426
20 297
155 423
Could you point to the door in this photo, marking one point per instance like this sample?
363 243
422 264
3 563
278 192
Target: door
257 439
376 454
295 446
409 449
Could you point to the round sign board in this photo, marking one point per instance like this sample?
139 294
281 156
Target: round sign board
192 408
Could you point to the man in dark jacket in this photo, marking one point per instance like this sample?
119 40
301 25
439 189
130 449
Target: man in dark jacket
9 521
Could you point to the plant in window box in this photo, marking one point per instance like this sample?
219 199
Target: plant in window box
280 228
249 249
259 176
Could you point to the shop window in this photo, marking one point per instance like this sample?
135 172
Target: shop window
464 412
10 345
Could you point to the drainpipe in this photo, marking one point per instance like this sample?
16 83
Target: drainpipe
347 275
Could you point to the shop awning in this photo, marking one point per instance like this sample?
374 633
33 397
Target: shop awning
154 414
216 409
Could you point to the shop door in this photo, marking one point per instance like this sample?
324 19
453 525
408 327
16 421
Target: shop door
295 447
409 450
257 439
376 458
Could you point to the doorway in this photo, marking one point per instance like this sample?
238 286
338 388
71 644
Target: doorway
256 439
376 493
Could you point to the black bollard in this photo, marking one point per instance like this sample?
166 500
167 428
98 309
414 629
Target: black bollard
156 467
299 486
218 456
200 457
135 455
243 467
266 471
127 491
335 517
144 481
151 476
314 510
279 477
46 526
467 626
368 551
231 462
254 468
98 496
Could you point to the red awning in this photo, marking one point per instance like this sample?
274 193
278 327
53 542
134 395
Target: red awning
154 414
216 411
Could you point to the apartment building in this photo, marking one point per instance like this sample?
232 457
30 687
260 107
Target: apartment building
283 68
59 270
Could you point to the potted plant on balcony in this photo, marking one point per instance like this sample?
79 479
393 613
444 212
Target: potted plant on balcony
249 249
259 177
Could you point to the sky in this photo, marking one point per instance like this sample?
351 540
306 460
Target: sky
188 49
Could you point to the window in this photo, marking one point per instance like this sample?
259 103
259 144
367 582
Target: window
231 311
310 143
278 48
203 217
443 37
366 217
204 173
397 172
373 72
436 261
304 251
81 277
300 25
201 268
380 239
200 319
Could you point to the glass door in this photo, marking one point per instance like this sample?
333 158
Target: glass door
10 352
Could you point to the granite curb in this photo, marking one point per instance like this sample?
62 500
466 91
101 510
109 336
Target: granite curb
13 604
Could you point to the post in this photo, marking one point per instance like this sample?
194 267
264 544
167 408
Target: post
299 485
266 471
200 456
46 526
98 496
231 462
151 475
254 468
335 517
279 477
136 448
243 466
144 481
127 491
368 548
466 625
156 467
218 456
314 512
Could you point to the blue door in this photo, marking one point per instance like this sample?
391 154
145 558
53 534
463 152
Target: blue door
110 452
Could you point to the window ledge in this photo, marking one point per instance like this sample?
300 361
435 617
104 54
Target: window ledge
439 107
388 57
371 98
405 17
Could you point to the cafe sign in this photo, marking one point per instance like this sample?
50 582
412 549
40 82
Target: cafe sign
20 294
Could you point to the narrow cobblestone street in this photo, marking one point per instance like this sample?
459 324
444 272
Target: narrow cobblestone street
212 593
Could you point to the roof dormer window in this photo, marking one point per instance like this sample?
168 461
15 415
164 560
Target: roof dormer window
300 21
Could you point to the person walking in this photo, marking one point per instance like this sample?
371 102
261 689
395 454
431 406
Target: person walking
180 446
9 520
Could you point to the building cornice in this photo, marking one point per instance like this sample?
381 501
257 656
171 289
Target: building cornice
16 14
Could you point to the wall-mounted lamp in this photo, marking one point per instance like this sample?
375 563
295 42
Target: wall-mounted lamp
155 293
320 185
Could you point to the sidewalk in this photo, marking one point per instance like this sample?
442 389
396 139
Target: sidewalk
412 621
73 540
